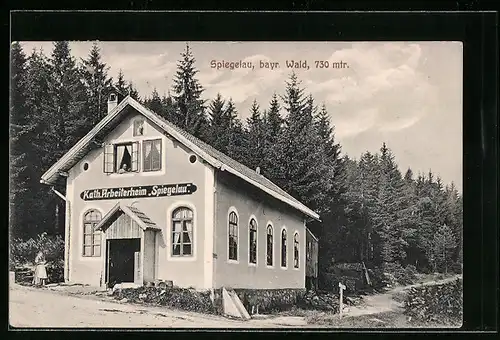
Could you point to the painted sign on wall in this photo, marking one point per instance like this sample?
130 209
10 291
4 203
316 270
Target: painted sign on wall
138 192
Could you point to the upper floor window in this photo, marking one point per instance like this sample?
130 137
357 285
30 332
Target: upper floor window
269 246
91 238
233 236
252 258
296 250
121 158
139 127
182 232
152 155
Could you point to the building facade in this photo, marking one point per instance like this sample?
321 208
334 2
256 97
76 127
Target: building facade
146 201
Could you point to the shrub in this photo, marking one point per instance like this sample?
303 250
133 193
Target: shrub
456 267
181 298
440 302
349 274
270 300
23 253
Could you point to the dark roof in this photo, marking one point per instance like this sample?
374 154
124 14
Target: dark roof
133 212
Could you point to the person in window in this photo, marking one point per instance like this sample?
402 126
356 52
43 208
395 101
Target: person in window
123 169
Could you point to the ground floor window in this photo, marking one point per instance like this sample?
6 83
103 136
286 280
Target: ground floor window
91 237
269 245
283 248
233 236
296 250
182 232
253 242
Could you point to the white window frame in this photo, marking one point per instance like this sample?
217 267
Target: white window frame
281 248
115 144
143 155
273 257
251 264
80 236
233 210
194 241
296 233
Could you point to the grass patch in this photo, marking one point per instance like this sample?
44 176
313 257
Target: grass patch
393 319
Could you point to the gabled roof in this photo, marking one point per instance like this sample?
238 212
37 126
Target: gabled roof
138 216
212 156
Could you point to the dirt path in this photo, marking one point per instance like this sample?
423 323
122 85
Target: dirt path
32 307
385 302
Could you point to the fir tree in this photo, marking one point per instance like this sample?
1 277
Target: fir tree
154 103
121 84
187 91
255 139
298 167
98 84
21 150
168 107
443 244
132 92
217 133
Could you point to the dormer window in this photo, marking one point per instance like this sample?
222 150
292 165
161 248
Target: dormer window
121 158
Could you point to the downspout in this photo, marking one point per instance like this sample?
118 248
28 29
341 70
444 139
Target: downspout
68 217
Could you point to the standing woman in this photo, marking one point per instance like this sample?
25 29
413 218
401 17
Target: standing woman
40 276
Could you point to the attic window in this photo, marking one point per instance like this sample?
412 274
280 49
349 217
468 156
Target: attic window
139 127
112 97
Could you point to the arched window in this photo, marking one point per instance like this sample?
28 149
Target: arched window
269 245
296 250
233 236
182 232
283 248
252 256
91 237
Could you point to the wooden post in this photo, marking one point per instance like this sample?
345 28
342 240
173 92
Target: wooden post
341 304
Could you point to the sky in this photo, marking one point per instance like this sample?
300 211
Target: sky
406 94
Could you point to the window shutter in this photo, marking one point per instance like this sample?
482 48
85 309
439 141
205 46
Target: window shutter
109 158
135 156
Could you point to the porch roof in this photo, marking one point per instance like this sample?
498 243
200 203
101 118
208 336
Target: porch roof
133 212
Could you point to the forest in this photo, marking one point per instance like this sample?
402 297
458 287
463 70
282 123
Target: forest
371 211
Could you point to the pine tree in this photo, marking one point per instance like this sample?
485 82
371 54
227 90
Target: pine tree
187 91
217 133
387 216
98 84
65 114
331 151
443 245
22 171
255 139
298 168
121 84
154 103
409 218
132 92
168 107
273 120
